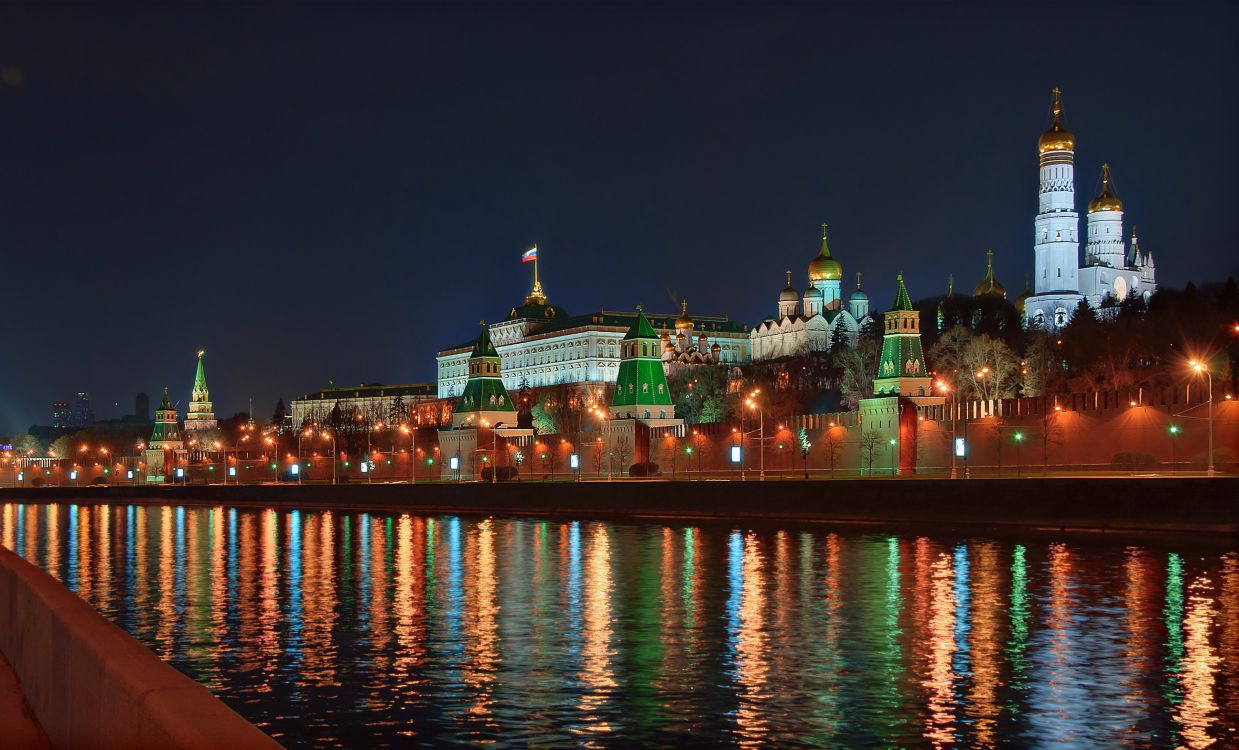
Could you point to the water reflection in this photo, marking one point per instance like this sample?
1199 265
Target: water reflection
347 629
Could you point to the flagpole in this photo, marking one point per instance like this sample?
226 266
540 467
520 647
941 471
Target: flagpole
535 265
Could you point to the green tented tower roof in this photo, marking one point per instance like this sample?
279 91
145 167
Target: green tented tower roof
902 301
485 391
641 382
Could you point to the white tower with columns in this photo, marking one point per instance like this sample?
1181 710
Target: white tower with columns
1055 243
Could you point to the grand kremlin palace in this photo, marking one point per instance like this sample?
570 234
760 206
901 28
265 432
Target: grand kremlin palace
540 344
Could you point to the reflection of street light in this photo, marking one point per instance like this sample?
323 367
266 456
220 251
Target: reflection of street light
1174 432
1200 368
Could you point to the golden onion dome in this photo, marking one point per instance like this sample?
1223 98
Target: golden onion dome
683 321
1106 200
989 286
824 267
1056 138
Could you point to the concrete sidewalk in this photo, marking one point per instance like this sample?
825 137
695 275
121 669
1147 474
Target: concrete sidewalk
17 726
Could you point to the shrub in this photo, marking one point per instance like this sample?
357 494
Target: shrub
1134 461
646 469
505 473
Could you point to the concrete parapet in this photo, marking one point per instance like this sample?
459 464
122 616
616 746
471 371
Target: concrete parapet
90 685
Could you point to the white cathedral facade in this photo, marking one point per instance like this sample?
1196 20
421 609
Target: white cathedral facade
1111 269
810 323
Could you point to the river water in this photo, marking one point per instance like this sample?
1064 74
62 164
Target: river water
361 629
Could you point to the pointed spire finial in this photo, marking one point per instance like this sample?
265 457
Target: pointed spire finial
482 323
823 230
1057 108
858 279
640 308
950 285
789 277
201 352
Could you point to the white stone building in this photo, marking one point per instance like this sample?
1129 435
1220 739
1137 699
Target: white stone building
1109 268
540 344
809 323
374 401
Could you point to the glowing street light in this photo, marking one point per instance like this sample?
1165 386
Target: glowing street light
1200 368
1173 430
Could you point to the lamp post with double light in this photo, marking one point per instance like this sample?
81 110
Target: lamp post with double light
946 390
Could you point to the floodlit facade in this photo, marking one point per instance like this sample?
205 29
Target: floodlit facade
809 323
1109 269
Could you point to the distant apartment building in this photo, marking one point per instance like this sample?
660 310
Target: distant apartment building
61 415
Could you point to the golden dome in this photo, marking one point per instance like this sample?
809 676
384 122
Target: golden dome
824 267
1056 138
989 286
683 321
1105 201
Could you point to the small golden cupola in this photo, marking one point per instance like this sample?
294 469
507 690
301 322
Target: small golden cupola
1056 138
824 267
989 286
1106 200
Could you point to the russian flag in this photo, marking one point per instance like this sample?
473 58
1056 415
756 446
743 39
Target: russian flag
530 254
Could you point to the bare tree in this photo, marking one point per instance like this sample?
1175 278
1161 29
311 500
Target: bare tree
869 442
833 438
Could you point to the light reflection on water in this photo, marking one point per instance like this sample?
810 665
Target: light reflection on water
350 629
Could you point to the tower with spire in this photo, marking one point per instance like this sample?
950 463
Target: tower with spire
200 416
901 366
167 433
1055 245
484 399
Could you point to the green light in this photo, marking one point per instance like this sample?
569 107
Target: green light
272 466
105 471
1018 436
389 462
689 449
1174 429
892 441
346 463
780 446
210 468
430 461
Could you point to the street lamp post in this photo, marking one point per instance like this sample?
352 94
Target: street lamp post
1174 432
761 435
1200 368
1019 440
942 386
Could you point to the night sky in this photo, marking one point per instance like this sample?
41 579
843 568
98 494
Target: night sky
339 192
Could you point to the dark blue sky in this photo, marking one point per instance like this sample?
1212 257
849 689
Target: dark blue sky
338 192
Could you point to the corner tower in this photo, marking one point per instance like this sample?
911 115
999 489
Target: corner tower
166 435
901 367
200 416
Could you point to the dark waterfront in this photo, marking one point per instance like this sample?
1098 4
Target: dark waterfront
350 629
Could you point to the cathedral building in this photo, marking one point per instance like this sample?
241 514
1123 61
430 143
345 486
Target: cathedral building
810 323
200 416
540 344
1110 270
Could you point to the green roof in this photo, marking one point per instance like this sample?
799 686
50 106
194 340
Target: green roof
483 346
200 385
372 390
640 328
484 394
641 382
708 324
902 300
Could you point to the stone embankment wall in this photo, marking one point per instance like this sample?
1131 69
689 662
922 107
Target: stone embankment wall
1164 504
92 686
